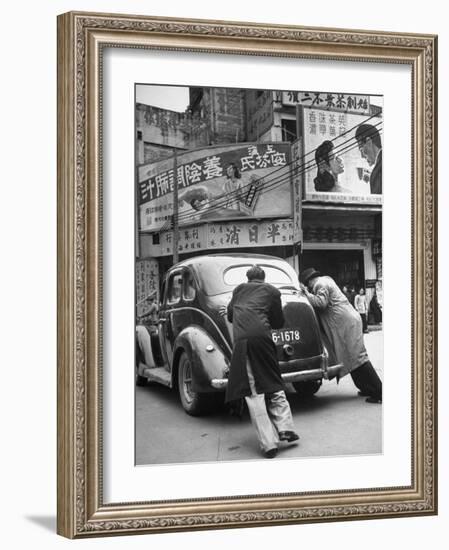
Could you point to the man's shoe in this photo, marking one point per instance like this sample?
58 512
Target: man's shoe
373 400
288 436
271 453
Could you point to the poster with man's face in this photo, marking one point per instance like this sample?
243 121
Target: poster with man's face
335 166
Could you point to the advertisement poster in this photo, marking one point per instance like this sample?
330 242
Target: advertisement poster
335 167
147 284
244 180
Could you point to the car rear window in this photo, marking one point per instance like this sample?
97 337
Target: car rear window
219 275
273 275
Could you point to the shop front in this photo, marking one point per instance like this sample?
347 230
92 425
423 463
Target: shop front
345 244
345 266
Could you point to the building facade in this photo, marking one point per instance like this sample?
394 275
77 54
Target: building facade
337 232
342 230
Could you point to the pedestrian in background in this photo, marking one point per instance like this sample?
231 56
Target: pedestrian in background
362 308
375 310
351 296
255 308
342 327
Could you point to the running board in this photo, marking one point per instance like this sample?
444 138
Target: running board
159 375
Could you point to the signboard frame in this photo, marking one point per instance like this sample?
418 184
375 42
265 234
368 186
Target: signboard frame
82 511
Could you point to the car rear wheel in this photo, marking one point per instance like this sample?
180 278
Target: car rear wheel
140 380
308 388
194 403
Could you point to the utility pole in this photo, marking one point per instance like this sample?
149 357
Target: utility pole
175 210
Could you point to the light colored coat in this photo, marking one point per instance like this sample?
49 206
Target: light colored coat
360 303
340 322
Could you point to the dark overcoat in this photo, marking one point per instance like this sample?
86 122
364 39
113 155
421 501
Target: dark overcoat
255 308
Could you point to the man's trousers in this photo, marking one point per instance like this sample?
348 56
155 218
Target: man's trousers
367 380
270 414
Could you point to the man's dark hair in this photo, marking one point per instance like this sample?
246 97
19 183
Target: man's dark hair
365 131
322 152
255 272
324 181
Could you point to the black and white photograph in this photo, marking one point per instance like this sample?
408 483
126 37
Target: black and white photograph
227 238
258 274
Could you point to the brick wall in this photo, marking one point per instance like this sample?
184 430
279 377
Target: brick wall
229 115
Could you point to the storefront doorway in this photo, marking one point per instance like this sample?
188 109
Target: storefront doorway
346 267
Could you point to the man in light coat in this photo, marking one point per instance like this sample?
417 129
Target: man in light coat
342 328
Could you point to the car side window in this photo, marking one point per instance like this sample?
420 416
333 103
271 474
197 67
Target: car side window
163 293
189 289
174 288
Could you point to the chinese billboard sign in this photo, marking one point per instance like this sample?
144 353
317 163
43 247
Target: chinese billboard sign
147 284
352 103
229 234
230 181
346 175
278 232
297 185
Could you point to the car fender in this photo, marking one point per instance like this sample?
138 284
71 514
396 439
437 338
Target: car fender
208 359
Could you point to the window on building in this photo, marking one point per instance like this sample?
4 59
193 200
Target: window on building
288 130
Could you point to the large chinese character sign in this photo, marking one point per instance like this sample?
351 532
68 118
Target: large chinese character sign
215 183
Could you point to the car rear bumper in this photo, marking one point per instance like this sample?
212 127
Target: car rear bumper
333 371
328 373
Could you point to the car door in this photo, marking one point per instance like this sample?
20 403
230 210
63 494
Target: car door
171 301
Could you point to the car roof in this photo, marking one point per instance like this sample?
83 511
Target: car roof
210 268
212 258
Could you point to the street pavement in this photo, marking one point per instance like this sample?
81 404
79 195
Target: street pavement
335 422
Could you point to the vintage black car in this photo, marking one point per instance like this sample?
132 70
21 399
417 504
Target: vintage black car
192 344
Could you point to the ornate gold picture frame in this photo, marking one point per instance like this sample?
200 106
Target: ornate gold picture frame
83 510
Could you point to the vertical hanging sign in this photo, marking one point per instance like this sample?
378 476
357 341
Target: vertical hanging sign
297 183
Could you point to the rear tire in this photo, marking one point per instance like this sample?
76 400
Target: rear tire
307 389
140 380
193 403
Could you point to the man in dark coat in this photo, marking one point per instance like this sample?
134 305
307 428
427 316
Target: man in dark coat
370 146
255 308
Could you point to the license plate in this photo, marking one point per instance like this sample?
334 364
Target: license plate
285 336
